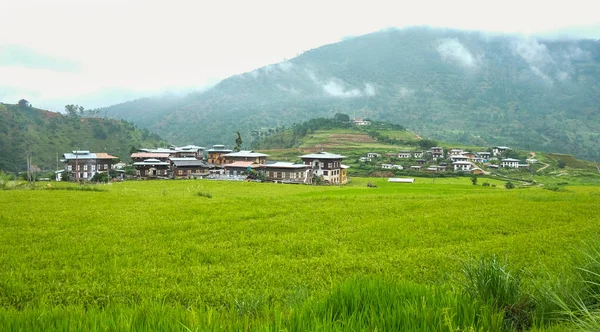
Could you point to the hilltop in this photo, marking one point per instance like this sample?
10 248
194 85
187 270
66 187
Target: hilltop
456 86
44 135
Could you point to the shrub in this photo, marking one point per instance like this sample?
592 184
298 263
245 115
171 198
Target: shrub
486 184
509 185
203 194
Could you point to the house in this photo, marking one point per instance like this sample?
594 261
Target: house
119 166
456 152
462 166
259 158
327 166
477 160
141 156
216 154
523 166
415 168
239 168
477 171
485 155
434 169
373 155
532 161
85 164
361 122
364 159
421 161
190 151
510 163
418 154
499 150
391 166
404 154
287 172
455 158
152 169
59 174
437 153
189 167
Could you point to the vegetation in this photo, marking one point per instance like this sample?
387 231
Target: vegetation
153 255
46 135
453 86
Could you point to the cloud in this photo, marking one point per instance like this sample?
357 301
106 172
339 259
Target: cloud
406 92
338 88
24 57
288 89
577 54
536 55
453 51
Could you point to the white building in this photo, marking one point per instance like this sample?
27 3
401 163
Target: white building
510 163
463 166
498 150
404 154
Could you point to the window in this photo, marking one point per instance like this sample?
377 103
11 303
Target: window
85 175
93 168
78 167
106 166
69 168
85 167
179 172
325 173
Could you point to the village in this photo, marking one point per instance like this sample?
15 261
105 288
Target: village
222 163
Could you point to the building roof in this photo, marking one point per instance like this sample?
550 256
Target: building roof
219 148
148 155
501 147
344 166
190 162
281 164
87 155
189 148
322 155
510 160
246 154
461 163
243 164
459 156
151 162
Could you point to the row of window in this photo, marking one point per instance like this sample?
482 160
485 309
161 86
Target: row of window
85 167
334 172
285 175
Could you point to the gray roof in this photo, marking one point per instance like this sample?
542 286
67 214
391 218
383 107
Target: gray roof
219 148
190 162
281 164
189 147
502 147
322 155
152 162
510 160
249 154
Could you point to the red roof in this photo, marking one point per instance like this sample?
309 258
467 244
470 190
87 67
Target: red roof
244 164
102 155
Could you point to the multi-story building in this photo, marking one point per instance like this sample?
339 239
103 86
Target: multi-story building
85 164
259 158
287 172
327 166
216 154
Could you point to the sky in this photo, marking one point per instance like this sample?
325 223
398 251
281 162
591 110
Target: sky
99 53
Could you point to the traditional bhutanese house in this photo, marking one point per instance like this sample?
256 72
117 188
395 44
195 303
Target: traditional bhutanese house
85 164
418 154
463 166
469 155
259 158
484 154
190 151
510 163
415 168
216 154
421 161
476 171
152 169
141 156
373 155
287 172
477 160
328 166
404 154
171 152
238 168
364 159
391 166
437 152
432 169
523 165
456 152
498 150
455 158
361 122
190 167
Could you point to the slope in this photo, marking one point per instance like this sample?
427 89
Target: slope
449 85
44 135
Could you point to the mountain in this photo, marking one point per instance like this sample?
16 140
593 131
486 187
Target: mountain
44 135
449 85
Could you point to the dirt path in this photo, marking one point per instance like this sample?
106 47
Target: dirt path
532 155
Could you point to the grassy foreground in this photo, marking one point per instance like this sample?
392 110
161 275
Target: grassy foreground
157 255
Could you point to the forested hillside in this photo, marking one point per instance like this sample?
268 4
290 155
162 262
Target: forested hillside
43 135
449 85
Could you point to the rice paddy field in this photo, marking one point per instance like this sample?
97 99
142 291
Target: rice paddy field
215 255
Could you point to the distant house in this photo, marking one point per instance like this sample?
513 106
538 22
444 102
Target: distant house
418 154
216 153
401 180
361 122
287 172
152 169
421 161
328 166
510 163
415 168
437 152
456 152
373 155
477 160
499 150
259 158
364 159
141 156
239 168
190 151
458 157
484 154
85 164
532 161
404 154
477 171
190 167
391 166
462 166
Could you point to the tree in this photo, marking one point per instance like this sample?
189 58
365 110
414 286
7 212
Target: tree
509 185
474 179
341 117
562 164
74 110
238 142
24 103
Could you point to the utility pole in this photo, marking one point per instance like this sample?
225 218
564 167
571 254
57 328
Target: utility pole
77 166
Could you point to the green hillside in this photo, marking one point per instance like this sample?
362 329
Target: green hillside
44 135
450 85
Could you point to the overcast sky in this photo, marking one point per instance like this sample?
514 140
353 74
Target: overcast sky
97 53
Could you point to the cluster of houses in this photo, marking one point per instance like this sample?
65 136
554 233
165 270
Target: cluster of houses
457 160
218 162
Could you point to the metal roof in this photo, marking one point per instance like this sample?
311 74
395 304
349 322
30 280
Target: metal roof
244 153
152 162
281 164
149 155
322 155
190 162
510 160
244 164
88 155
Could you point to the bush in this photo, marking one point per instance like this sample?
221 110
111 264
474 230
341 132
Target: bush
486 184
203 194
509 185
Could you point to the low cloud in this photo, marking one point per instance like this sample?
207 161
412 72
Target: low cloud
453 51
24 57
405 92
288 89
338 88
536 55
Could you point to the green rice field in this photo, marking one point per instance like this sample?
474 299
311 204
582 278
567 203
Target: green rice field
214 255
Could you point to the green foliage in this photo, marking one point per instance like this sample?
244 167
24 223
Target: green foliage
47 135
204 194
100 177
486 184
562 164
474 179
509 185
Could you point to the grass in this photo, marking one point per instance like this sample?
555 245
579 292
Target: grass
153 252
